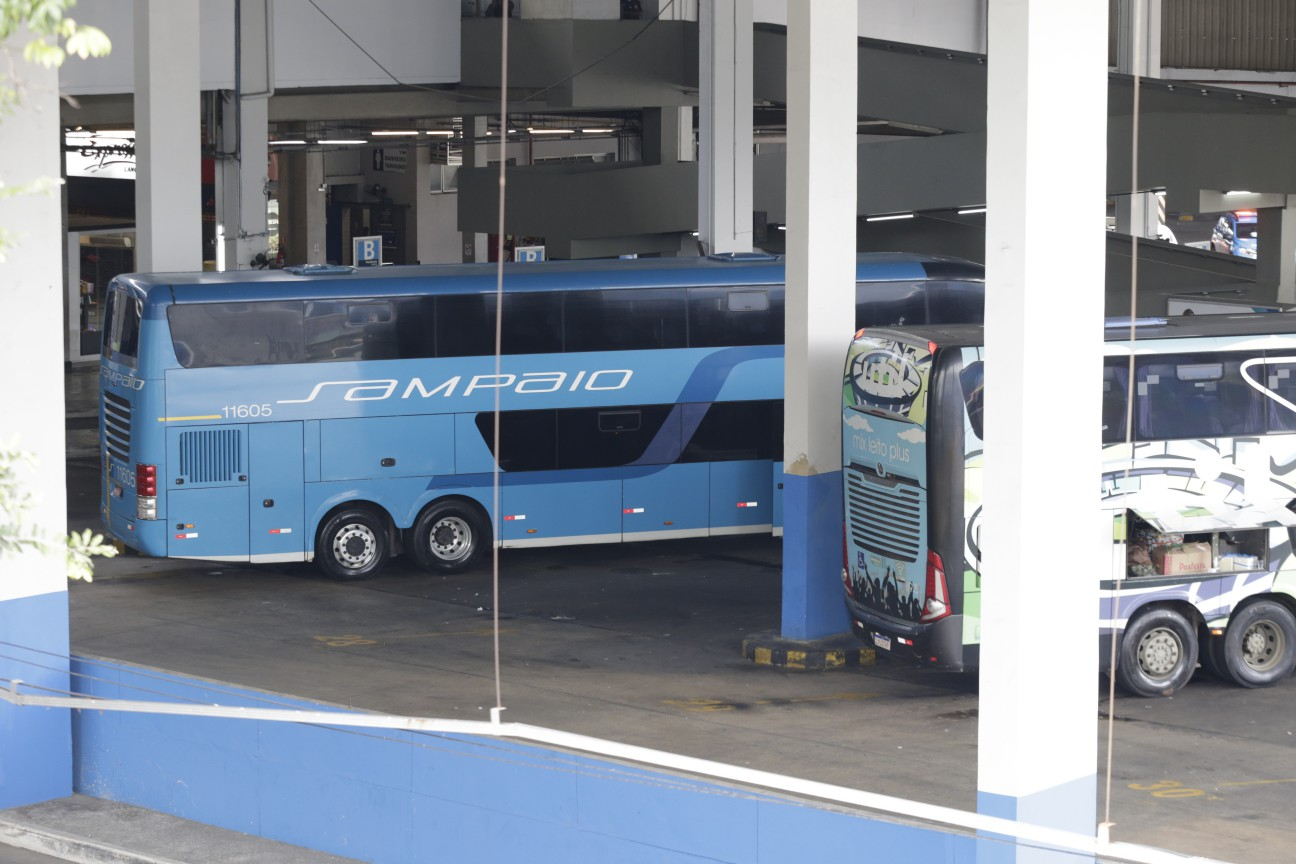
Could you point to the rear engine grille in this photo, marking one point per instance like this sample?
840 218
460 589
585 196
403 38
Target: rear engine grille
117 426
210 455
884 513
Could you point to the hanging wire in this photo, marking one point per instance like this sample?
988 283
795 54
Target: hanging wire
499 338
1136 60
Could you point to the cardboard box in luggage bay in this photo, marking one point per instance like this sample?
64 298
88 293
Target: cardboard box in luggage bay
1180 560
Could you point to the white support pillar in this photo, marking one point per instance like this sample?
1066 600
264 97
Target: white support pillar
168 144
1045 541
35 746
243 173
1138 49
725 126
820 313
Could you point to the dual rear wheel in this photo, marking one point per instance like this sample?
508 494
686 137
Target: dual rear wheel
1159 650
447 537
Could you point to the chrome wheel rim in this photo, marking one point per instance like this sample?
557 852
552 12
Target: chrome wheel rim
450 538
355 546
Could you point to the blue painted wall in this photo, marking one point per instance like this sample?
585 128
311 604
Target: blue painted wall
397 797
35 743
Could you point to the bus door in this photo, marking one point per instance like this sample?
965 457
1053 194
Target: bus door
661 497
544 509
665 501
742 500
207 492
276 492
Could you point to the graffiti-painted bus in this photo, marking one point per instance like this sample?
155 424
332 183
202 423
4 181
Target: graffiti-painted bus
1201 498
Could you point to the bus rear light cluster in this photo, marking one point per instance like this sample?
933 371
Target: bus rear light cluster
145 491
846 580
937 605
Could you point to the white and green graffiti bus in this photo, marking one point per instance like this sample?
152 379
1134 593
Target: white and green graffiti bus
1202 497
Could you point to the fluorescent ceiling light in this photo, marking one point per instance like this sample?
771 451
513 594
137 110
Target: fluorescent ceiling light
594 131
971 210
443 133
534 131
889 217
342 141
394 132
1237 192
287 141
782 227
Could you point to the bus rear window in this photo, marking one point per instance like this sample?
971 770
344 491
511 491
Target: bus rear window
121 328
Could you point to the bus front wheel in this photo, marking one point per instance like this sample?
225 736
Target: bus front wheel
1259 647
448 537
1158 654
352 545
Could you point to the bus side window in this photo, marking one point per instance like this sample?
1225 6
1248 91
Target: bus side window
734 316
955 302
599 438
1280 380
1195 396
880 304
623 320
528 439
729 431
1115 392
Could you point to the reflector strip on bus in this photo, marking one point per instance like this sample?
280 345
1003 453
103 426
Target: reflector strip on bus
633 510
280 530
189 536
517 518
748 503
194 417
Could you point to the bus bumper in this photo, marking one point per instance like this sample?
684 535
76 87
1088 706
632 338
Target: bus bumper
938 645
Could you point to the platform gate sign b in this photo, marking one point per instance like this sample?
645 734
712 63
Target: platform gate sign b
366 251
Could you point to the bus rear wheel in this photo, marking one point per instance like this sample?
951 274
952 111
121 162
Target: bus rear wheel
448 537
1158 654
1259 647
352 545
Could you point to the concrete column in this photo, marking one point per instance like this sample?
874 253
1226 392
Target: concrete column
1138 49
1276 249
242 174
35 743
302 197
168 145
821 215
725 126
475 155
1045 541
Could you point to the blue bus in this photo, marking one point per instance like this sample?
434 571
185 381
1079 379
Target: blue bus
344 416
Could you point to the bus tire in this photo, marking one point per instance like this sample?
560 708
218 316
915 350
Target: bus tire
1259 646
448 536
1158 653
352 545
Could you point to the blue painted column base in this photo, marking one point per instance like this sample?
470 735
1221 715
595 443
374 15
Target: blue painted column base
813 604
1070 807
35 743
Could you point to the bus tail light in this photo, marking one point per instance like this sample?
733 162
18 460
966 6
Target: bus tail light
846 580
145 491
937 605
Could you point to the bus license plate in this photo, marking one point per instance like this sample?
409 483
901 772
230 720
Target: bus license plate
883 642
